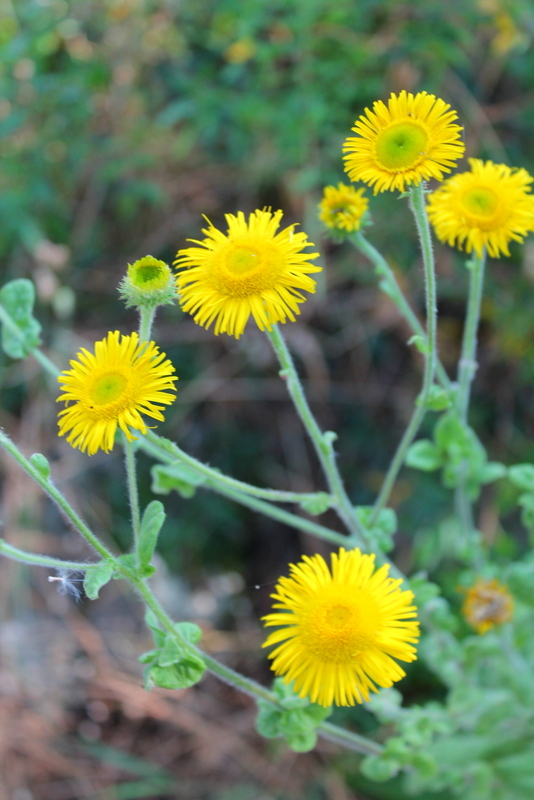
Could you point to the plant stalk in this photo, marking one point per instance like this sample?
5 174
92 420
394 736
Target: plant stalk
417 205
322 442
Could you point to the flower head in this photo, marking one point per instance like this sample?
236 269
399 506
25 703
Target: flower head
148 283
342 629
251 269
487 603
123 379
487 207
409 140
342 209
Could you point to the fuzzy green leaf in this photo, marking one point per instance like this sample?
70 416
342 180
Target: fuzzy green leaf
41 464
182 479
18 298
96 577
151 522
424 455
316 503
191 632
522 476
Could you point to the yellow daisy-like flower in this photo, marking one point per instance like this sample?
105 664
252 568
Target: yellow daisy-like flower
122 380
342 209
487 603
409 140
250 270
341 629
485 208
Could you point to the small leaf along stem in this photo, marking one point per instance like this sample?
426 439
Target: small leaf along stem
417 205
322 442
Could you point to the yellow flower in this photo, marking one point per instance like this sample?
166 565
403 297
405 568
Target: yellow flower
485 208
122 380
342 629
487 603
410 140
342 209
250 270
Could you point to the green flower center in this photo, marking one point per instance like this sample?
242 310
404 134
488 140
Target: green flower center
481 202
149 274
401 146
242 260
108 388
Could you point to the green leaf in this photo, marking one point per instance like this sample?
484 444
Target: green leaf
268 720
151 522
128 560
18 298
149 656
526 501
420 343
383 528
41 465
424 455
191 632
302 742
492 471
177 676
316 503
438 399
182 479
450 431
172 652
522 476
520 580
153 624
96 577
379 768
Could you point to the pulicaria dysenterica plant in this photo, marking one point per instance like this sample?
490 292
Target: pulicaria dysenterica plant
340 633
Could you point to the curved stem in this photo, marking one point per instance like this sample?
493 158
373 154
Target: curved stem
391 287
322 442
36 560
417 204
57 497
467 368
133 494
170 453
468 365
158 446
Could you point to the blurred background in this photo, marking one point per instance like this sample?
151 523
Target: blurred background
122 122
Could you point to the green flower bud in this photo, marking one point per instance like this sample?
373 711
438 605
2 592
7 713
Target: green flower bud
148 283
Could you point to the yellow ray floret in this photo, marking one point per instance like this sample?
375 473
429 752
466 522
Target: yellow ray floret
342 208
340 630
123 379
487 603
411 139
485 208
251 269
